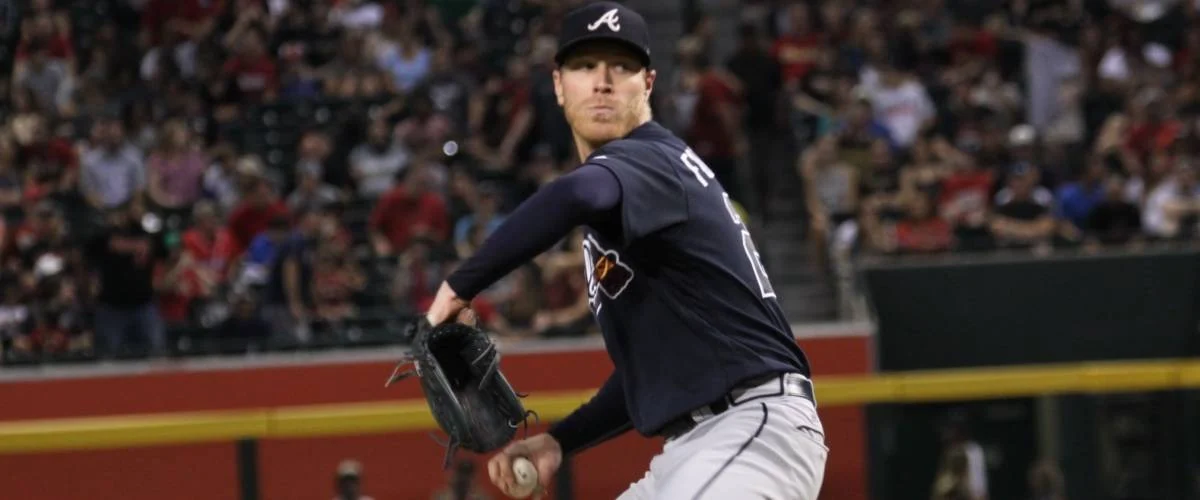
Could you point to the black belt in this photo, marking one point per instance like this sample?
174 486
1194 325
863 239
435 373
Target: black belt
788 384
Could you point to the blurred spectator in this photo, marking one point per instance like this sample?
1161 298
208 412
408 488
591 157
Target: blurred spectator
311 189
1046 481
174 169
1022 217
347 484
16 322
244 329
472 229
565 309
917 228
832 189
375 163
1077 199
288 298
206 242
125 254
50 81
51 165
113 172
258 208
180 281
964 462
716 134
952 481
336 279
901 103
404 56
190 19
798 47
760 75
417 276
1113 220
1173 207
220 181
251 76
409 210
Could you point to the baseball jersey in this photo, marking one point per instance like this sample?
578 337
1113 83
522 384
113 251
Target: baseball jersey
680 294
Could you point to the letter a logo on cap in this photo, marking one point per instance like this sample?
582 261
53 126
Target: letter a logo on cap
610 18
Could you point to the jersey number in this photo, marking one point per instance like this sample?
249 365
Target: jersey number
703 173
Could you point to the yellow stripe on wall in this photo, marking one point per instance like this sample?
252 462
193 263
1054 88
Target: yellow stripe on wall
368 418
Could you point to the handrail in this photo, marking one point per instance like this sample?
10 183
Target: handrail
368 418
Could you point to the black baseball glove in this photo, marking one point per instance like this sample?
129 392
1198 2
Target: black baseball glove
473 403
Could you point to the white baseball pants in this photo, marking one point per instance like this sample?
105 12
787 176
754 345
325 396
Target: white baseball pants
769 448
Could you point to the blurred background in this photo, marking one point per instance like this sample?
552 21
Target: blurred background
231 204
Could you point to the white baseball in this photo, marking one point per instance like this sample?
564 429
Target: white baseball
526 475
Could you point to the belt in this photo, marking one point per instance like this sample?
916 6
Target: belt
774 385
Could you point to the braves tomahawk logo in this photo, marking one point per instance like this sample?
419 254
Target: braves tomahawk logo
610 18
605 272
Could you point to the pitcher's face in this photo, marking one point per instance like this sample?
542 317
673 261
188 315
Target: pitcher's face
604 90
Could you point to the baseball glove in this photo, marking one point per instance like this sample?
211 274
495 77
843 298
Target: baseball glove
473 403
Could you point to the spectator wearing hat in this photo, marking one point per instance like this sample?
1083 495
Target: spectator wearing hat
254 213
1023 217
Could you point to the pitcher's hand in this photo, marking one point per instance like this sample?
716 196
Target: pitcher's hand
543 450
448 306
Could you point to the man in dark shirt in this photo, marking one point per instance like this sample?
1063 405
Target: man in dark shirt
1023 221
124 256
703 354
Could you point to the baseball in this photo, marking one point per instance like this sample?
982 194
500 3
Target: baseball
526 475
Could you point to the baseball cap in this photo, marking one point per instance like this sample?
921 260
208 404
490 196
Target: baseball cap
604 21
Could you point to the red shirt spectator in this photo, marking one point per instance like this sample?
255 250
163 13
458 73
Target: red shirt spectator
57 47
970 44
928 235
175 298
53 151
408 211
709 134
797 55
252 72
253 215
187 15
965 193
1153 136
51 164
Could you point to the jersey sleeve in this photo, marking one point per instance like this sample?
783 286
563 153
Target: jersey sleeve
652 195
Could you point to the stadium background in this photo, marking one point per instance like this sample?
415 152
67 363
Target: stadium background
233 205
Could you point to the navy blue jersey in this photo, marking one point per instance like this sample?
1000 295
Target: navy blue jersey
686 308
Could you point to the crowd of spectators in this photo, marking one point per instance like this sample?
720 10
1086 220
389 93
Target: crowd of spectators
943 126
267 174
183 175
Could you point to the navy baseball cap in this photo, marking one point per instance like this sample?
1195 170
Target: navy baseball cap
604 21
